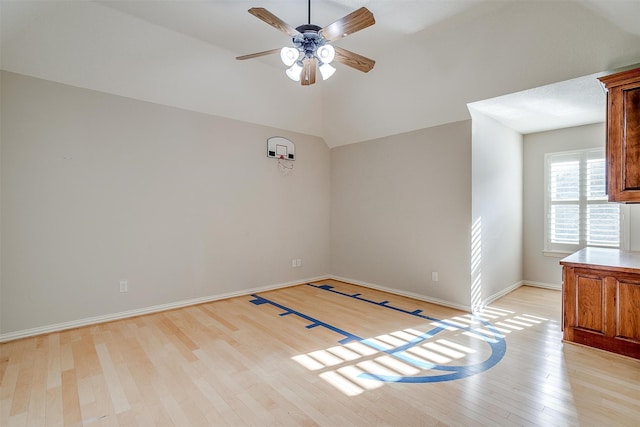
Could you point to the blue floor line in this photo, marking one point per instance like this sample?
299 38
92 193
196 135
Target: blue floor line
497 344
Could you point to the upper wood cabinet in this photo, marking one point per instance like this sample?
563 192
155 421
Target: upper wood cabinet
623 136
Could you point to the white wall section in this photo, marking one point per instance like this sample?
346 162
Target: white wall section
85 44
133 148
401 209
183 54
537 266
428 78
98 188
497 208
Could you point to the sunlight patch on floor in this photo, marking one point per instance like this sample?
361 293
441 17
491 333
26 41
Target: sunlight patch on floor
347 366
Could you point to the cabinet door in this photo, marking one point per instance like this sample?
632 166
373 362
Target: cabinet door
590 304
623 136
629 150
628 311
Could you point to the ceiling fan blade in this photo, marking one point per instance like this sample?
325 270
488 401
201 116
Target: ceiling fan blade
273 20
355 21
257 54
308 76
353 60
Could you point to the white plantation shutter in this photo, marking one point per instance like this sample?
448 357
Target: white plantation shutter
602 219
577 211
564 191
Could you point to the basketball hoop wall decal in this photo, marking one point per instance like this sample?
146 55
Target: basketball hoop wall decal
284 150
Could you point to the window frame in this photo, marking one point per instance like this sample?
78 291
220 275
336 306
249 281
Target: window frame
562 249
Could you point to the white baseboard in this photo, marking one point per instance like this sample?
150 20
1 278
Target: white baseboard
146 310
185 303
552 286
467 308
491 299
404 293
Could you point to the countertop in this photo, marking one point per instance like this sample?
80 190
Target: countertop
608 259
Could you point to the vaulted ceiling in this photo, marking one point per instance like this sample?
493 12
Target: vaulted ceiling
433 57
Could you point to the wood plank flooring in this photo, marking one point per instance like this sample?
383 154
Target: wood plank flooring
336 355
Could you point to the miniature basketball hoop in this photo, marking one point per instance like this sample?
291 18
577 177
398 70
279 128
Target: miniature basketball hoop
280 148
284 150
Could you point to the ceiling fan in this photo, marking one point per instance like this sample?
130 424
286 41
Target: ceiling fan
312 45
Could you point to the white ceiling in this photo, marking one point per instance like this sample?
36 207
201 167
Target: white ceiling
433 57
225 23
574 102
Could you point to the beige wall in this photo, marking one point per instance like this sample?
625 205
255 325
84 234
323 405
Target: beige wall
497 209
401 209
539 268
98 188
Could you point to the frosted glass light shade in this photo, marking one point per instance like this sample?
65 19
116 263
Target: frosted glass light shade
326 53
294 72
327 71
289 55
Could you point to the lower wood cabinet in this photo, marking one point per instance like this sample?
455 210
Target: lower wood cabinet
601 300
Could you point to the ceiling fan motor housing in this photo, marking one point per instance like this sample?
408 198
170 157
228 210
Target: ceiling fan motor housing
309 39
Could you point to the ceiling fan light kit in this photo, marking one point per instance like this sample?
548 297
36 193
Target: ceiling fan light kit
289 55
295 71
311 45
326 70
326 53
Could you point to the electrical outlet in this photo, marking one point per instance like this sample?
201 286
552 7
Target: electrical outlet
293 263
434 276
124 286
298 262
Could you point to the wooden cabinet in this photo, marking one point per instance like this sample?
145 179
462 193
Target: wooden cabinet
623 136
601 300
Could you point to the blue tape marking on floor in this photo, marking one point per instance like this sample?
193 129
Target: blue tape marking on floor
357 296
458 371
497 343
413 313
498 347
259 300
313 322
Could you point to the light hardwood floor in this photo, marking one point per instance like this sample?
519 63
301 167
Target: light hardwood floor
305 356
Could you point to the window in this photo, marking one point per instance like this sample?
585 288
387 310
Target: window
577 211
